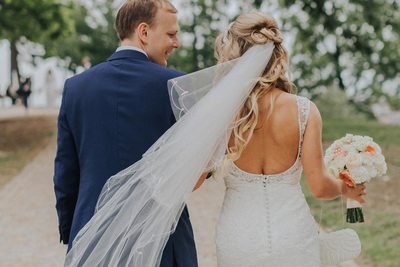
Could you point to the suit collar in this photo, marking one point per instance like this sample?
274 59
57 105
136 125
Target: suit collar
124 54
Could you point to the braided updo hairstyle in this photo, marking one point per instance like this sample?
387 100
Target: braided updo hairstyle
248 30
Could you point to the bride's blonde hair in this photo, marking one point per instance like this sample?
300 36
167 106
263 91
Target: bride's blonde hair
248 30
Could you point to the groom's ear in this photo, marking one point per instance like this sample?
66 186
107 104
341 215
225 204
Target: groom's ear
142 32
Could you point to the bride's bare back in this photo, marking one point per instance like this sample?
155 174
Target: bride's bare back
274 145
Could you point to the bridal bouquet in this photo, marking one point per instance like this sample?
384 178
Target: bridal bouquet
355 159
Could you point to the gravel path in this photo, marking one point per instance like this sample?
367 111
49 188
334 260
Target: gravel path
204 206
28 222
19 111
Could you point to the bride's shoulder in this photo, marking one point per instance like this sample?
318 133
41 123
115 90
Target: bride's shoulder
292 99
291 102
288 98
287 101
315 115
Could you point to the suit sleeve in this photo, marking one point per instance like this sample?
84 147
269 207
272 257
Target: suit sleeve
66 173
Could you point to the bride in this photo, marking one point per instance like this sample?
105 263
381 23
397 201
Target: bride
238 120
265 220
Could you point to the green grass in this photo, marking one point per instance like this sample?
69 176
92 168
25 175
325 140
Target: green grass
385 135
380 234
4 159
21 140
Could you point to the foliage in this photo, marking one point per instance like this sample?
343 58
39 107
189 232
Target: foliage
93 37
207 19
334 103
349 44
69 31
35 20
38 21
201 28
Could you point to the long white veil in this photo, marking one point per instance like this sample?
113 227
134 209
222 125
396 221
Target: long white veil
140 206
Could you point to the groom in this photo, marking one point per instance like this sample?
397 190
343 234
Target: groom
112 113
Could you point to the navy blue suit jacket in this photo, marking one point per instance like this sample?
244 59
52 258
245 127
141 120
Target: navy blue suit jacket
109 116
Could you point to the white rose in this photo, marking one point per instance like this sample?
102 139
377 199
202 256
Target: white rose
354 160
381 168
360 175
372 171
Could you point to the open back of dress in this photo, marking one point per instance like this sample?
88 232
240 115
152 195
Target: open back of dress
265 219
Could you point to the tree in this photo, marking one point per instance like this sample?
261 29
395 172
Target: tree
201 28
36 21
207 19
350 44
93 37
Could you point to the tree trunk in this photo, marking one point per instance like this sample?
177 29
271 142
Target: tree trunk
14 60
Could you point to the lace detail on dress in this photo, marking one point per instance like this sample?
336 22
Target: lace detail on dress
283 177
303 107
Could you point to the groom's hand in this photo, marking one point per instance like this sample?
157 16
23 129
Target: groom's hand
204 176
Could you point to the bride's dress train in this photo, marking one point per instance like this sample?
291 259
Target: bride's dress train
265 220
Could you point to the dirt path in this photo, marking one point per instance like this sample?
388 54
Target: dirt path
204 207
28 222
19 111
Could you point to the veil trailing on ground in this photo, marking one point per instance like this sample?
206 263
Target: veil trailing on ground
140 206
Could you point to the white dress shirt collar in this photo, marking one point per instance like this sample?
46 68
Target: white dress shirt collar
129 47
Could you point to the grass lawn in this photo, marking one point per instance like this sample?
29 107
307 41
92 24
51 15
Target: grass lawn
380 234
20 141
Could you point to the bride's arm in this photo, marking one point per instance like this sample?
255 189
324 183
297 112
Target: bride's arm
320 183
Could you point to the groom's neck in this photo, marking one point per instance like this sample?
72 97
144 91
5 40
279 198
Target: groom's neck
131 42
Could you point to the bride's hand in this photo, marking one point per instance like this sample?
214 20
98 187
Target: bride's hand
357 192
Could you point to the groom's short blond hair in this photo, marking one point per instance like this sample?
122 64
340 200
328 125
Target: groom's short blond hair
134 12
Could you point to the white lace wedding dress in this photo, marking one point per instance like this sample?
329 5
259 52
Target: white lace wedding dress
265 219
